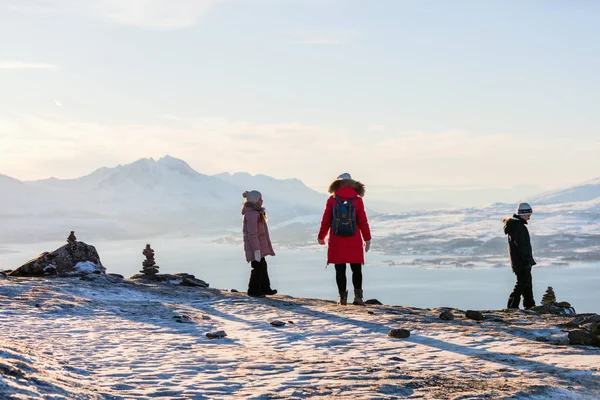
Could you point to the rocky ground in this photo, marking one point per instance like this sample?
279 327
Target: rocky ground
67 338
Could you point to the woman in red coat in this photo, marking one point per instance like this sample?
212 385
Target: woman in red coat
347 249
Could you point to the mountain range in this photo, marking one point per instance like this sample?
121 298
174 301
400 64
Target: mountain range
166 196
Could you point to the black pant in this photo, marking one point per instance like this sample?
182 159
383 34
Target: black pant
523 287
259 279
340 276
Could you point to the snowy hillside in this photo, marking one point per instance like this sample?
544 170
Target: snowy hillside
144 198
73 339
586 191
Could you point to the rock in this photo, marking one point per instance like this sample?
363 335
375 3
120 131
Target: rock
172 279
549 297
447 315
291 322
541 339
204 316
216 335
277 323
552 309
564 304
38 305
193 282
118 276
71 239
582 337
182 319
474 315
149 266
397 359
399 333
374 302
371 312
582 320
76 259
234 291
3 274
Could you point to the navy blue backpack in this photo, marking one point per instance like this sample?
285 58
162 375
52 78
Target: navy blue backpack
344 217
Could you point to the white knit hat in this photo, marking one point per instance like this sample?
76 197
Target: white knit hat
524 209
252 196
345 175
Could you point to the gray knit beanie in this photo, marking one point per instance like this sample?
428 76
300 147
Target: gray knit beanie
524 209
252 196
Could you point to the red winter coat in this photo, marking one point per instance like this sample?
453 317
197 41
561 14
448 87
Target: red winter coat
346 249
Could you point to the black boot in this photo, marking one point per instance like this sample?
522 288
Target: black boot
265 281
254 286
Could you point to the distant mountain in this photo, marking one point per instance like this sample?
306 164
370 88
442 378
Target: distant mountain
288 191
584 192
146 197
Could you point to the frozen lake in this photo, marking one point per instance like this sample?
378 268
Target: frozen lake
303 274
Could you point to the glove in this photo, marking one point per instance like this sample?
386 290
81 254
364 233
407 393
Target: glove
367 246
257 255
321 242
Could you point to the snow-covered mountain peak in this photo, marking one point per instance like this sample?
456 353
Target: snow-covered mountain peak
177 165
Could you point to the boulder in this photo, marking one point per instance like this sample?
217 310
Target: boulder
582 337
447 315
74 259
374 302
216 335
474 315
277 323
399 333
182 319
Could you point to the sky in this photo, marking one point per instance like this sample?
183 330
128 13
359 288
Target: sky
398 93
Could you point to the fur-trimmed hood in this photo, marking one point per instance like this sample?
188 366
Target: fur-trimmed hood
336 185
510 221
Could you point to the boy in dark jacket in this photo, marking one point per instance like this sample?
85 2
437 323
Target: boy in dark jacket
521 256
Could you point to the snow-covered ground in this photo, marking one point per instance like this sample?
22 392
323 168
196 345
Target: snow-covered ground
302 273
73 339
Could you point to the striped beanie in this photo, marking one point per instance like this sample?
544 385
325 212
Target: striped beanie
524 209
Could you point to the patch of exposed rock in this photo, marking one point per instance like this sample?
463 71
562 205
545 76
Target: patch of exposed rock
72 259
172 279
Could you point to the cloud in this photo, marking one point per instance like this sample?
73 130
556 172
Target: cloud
152 14
12 64
36 147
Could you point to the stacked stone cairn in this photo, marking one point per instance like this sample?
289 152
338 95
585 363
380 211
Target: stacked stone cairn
149 265
72 239
549 297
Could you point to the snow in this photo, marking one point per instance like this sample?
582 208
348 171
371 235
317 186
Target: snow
94 340
85 267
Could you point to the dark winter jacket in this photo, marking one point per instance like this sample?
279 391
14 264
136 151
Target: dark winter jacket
346 249
519 243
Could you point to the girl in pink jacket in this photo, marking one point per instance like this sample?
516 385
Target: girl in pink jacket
257 244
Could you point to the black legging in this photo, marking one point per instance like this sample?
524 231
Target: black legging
340 276
524 287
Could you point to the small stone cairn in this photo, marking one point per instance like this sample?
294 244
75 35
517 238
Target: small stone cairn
72 239
551 306
149 265
549 297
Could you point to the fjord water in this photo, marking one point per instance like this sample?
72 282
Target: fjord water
302 273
